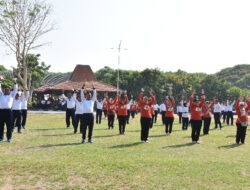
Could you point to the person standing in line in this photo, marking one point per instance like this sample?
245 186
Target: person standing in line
6 101
122 112
146 114
185 114
196 117
207 107
133 109
111 107
24 107
78 114
230 114
153 115
179 112
99 106
16 113
224 111
169 116
70 111
217 114
128 108
88 112
163 113
105 108
156 110
242 120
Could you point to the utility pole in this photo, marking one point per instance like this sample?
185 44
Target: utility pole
119 62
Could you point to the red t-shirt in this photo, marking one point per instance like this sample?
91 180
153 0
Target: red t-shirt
207 112
134 107
169 109
105 106
146 107
196 109
111 107
242 113
122 108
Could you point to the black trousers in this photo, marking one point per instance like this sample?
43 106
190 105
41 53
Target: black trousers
122 119
16 119
24 117
98 116
133 114
111 119
180 117
206 127
163 113
217 120
185 121
88 122
70 113
105 113
196 129
78 118
230 115
155 116
241 133
169 124
152 122
128 116
5 118
145 124
224 114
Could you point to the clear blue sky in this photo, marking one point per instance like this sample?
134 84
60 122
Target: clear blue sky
192 35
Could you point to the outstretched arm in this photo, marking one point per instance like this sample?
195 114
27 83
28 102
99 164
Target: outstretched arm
13 93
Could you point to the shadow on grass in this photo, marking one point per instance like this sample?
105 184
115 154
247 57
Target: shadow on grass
133 131
230 136
106 136
50 129
54 145
101 129
179 145
58 135
157 136
229 146
126 145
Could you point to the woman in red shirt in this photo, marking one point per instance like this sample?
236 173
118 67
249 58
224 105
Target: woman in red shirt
105 109
111 108
133 109
122 112
207 116
196 118
169 116
153 115
146 115
242 120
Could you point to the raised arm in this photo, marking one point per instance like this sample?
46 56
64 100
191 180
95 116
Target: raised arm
94 95
173 102
82 94
140 97
13 93
212 103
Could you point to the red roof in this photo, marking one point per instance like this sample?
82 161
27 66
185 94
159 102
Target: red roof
82 73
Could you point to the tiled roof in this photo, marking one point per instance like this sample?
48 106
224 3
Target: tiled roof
55 79
82 73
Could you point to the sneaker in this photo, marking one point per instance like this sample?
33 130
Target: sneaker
23 127
169 133
198 142
75 132
194 142
143 141
90 141
68 127
150 129
221 128
237 142
83 141
9 140
19 132
146 141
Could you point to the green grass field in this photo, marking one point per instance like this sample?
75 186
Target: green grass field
49 156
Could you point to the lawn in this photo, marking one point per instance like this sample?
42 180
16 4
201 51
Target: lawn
49 156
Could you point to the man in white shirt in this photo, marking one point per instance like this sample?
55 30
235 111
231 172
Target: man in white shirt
25 98
16 113
78 114
88 113
224 111
230 114
99 106
6 101
156 109
217 112
163 112
70 111
179 112
128 108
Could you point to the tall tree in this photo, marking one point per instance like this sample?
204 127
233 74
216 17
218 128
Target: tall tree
22 24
